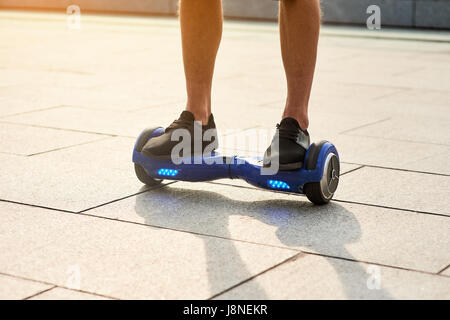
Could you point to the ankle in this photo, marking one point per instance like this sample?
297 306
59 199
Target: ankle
200 114
302 119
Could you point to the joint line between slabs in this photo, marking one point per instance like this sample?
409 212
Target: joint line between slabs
398 169
40 292
62 129
36 206
129 196
365 125
350 171
392 208
294 257
445 268
68 147
54 286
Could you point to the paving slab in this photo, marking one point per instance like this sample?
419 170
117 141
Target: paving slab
98 121
48 75
347 91
399 154
446 272
378 100
12 104
26 140
125 260
106 39
132 123
399 189
314 277
13 288
65 294
417 103
425 130
26 98
350 231
72 179
404 69
430 162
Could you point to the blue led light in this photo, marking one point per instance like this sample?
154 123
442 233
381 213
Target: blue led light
275 184
167 172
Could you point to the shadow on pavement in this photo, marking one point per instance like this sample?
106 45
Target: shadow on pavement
322 229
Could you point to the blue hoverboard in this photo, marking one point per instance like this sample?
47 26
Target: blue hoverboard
317 179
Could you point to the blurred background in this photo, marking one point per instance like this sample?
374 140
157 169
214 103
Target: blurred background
401 13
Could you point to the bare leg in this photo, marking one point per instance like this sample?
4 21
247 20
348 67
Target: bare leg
201 32
299 23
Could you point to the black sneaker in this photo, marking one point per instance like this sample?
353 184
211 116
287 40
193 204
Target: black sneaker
292 145
161 147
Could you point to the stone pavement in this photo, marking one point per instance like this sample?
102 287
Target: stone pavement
77 224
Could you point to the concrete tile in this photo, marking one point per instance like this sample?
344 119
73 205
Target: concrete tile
98 121
347 92
386 68
115 97
26 140
125 260
423 77
349 231
393 188
314 277
393 154
132 123
408 129
436 163
12 288
65 294
51 75
446 272
72 179
12 104
8 81
412 103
